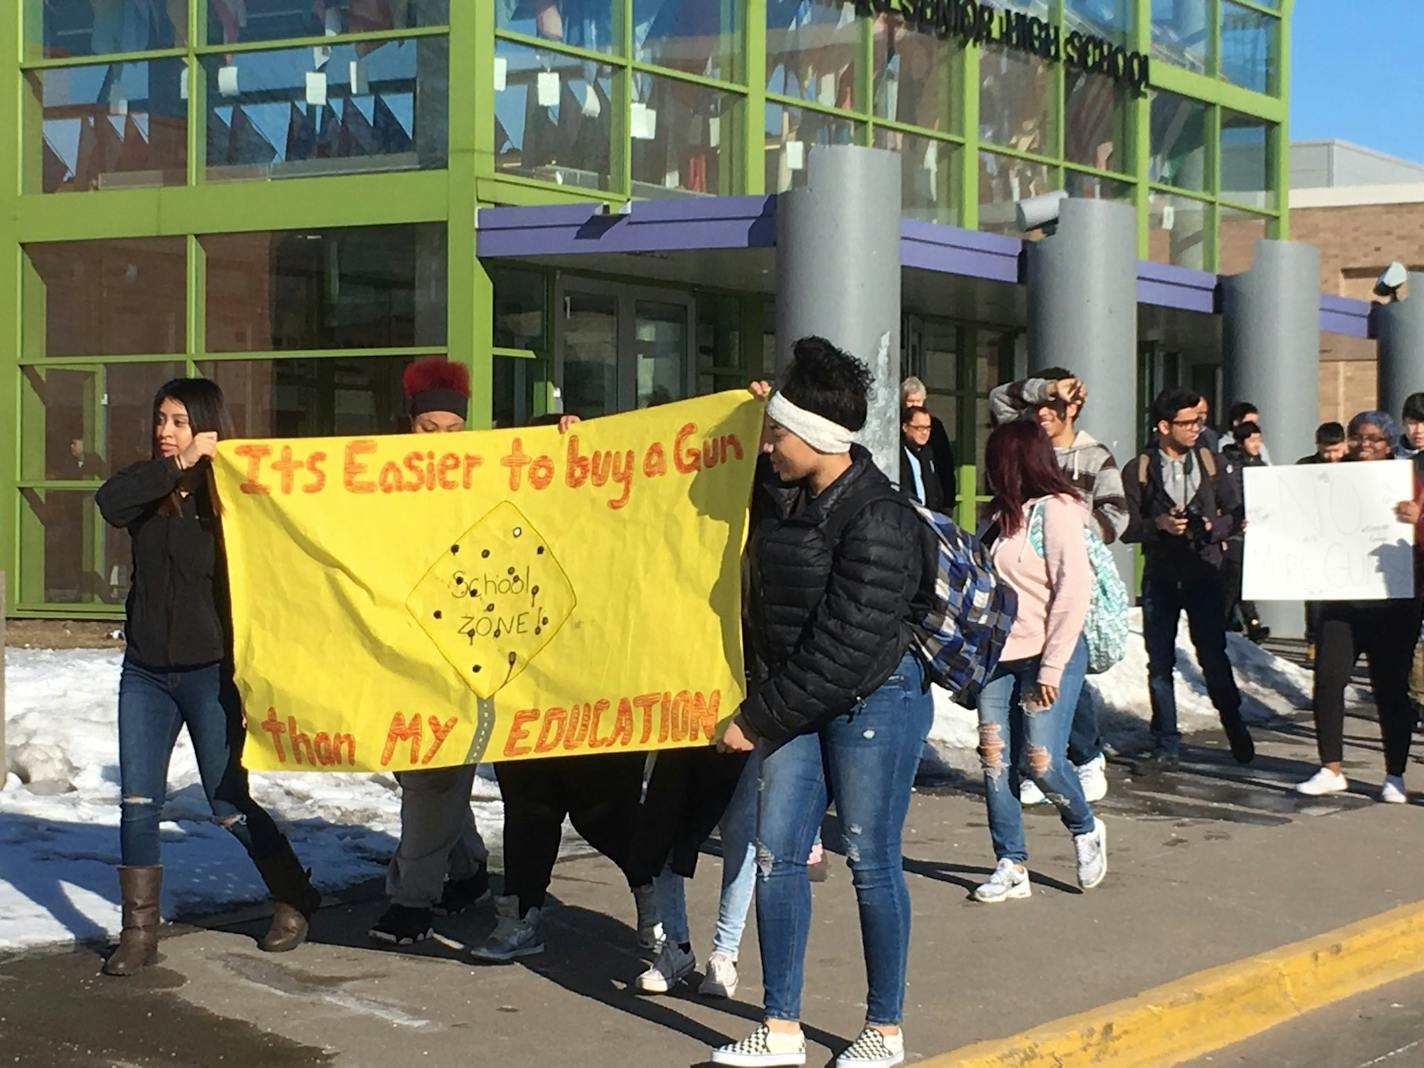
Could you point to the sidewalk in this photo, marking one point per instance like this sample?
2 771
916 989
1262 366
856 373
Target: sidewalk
1207 866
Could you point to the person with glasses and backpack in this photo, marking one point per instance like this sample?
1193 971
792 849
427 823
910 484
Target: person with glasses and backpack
1182 505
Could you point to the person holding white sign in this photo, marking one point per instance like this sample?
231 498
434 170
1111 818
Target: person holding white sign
1385 632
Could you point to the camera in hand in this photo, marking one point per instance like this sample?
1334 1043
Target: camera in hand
1198 532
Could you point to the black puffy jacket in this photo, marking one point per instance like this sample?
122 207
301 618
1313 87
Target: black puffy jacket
828 623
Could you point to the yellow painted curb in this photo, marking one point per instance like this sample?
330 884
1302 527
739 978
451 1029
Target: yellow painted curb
1219 1007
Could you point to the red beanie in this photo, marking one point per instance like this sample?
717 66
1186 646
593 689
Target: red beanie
434 384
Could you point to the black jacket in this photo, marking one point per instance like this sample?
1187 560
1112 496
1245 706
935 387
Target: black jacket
829 619
177 608
934 498
945 466
1147 498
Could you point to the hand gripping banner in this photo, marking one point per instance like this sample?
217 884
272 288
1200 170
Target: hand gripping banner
422 600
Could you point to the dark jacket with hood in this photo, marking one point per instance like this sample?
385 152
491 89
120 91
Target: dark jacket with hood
838 584
177 608
1170 555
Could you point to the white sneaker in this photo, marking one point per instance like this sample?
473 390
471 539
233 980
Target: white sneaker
1009 880
672 964
512 936
650 927
721 978
1393 791
1094 779
763 1048
1323 782
1030 794
874 1050
1092 851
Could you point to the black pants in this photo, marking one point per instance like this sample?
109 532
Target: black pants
1312 621
599 793
1231 572
1385 632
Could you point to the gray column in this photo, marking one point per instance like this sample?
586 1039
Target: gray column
838 275
1401 347
1271 354
1082 315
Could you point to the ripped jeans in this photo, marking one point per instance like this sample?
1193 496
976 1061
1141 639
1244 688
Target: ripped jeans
864 760
153 705
1036 743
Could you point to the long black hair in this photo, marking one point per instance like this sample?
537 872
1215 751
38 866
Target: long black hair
203 399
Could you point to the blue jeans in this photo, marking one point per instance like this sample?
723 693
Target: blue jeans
865 761
738 828
153 705
1085 740
1037 747
1164 599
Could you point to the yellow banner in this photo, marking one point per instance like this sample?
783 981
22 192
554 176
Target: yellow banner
416 601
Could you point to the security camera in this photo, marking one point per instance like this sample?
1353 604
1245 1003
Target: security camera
1040 212
1392 280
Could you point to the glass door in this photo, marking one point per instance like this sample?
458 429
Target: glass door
587 364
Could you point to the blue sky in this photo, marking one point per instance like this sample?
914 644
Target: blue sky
1356 74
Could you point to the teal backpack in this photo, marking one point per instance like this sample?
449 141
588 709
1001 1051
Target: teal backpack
1105 628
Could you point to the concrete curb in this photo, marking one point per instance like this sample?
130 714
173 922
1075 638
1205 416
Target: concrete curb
1219 1007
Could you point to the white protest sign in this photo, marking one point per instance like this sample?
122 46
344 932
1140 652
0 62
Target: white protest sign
1327 532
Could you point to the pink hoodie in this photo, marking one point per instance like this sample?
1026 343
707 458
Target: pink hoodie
1054 589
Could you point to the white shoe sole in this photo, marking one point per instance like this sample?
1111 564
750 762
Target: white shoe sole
490 957
884 1062
1097 793
1015 893
1102 830
758 1060
660 984
712 989
1394 799
1322 791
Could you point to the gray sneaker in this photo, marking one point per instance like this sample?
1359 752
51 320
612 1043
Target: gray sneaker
1092 849
512 936
1010 880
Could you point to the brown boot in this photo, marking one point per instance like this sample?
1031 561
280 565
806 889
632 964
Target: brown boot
139 888
294 899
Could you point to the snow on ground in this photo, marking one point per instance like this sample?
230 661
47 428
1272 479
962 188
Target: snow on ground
59 808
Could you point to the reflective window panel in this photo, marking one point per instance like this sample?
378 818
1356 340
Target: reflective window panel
914 75
61 29
1016 101
1181 33
1247 163
1097 123
929 178
331 110
1003 181
684 138
120 297
231 21
1248 47
553 117
791 134
1179 141
1108 19
585 23
1177 231
813 51
312 398
519 309
347 288
693 36
110 126
1240 230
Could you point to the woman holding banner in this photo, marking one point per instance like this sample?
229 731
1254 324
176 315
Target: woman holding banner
178 672
839 706
1385 631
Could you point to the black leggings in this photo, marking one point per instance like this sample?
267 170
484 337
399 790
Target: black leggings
599 793
1385 632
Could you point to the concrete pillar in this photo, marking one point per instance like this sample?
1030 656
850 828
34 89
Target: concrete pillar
1082 315
1400 328
838 275
1271 355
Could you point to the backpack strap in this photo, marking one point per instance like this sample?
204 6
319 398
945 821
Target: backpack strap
1208 462
1144 462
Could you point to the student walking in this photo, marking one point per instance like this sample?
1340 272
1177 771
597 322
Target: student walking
840 705
1385 631
1181 506
1035 534
178 672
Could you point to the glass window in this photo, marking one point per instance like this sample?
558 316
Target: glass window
1248 47
1003 181
588 339
812 51
304 111
1181 32
82 560
1177 231
352 288
553 117
231 21
1108 19
660 343
791 133
684 138
1016 105
291 398
584 23
1097 123
1240 230
1246 160
519 313
1179 141
914 75
929 179
693 36
61 29
514 380
1092 187
122 297
112 125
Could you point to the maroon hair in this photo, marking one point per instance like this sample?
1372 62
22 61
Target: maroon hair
1021 467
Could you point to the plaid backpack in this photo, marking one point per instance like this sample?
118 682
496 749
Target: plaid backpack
963 633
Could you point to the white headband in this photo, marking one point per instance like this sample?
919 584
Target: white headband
817 431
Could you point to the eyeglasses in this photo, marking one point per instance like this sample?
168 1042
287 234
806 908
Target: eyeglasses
1368 439
918 426
1184 423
